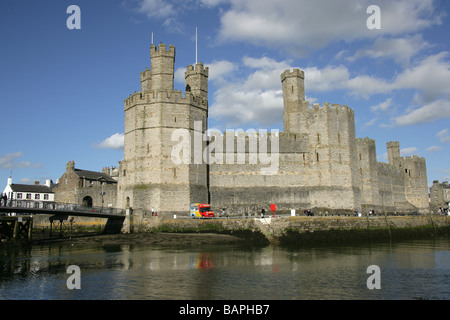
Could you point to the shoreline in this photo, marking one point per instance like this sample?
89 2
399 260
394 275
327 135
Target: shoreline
179 239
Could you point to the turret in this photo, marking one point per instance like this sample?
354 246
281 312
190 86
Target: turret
162 67
293 99
197 80
393 149
293 83
146 80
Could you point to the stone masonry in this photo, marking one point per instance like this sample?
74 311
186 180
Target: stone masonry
316 162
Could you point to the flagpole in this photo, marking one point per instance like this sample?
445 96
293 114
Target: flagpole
195 45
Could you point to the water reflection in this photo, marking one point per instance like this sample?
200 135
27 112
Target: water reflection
410 270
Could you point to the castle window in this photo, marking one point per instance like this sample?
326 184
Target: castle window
339 138
124 173
317 156
318 138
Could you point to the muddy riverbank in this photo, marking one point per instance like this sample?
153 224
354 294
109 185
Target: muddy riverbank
185 239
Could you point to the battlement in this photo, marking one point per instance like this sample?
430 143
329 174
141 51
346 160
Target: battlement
328 107
294 73
366 140
145 74
162 51
199 68
174 96
393 144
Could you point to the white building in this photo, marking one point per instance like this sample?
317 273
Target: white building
28 195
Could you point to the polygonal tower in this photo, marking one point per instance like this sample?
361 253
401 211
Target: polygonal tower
157 121
293 98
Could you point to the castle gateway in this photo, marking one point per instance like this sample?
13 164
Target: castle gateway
316 162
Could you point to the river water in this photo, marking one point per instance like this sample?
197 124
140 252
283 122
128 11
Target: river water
418 269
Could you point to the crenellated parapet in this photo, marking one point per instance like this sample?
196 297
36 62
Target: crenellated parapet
198 69
295 73
161 51
319 110
163 96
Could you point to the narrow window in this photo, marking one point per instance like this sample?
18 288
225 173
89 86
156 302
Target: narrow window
317 156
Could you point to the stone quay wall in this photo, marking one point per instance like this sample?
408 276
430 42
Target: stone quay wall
294 230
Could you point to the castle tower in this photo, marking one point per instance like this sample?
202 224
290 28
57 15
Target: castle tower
293 98
157 121
197 80
393 149
162 67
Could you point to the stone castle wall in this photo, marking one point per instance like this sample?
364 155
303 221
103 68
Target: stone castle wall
320 164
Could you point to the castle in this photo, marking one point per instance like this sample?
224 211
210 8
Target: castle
316 162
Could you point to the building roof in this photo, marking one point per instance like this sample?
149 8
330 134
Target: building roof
33 188
93 175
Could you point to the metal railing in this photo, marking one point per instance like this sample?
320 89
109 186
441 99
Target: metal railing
51 205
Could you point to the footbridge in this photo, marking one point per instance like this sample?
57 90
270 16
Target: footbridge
59 212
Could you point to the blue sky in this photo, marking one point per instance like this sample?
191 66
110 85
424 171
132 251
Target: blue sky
62 90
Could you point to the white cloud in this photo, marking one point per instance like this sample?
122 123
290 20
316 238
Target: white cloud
383 106
326 79
157 8
9 161
430 76
436 110
433 148
371 122
261 89
218 69
255 99
443 136
304 25
116 141
408 151
399 49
